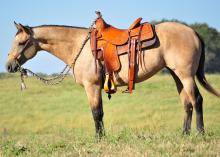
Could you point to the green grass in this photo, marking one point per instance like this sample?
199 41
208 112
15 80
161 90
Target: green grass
57 121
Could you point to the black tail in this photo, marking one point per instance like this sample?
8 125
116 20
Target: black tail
200 72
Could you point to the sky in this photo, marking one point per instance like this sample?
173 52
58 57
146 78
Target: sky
82 12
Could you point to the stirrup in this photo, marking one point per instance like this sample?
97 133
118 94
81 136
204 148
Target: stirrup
109 85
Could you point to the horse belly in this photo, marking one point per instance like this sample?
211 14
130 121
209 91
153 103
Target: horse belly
152 62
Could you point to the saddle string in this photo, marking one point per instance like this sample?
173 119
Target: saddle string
59 78
139 47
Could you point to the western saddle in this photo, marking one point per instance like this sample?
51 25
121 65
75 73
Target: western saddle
108 43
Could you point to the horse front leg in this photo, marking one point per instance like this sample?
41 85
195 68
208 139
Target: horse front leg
94 95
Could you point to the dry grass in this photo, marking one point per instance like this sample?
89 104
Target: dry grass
56 121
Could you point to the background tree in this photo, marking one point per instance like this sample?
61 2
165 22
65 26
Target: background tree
211 38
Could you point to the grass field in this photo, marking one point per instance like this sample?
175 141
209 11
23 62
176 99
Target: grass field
56 121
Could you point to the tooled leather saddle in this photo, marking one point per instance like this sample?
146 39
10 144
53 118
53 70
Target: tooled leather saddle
108 43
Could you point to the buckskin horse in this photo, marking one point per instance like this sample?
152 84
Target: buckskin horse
178 48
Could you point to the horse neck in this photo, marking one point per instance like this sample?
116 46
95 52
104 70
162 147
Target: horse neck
61 41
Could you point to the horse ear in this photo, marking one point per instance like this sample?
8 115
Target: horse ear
17 26
22 28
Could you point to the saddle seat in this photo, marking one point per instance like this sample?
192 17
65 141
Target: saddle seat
115 35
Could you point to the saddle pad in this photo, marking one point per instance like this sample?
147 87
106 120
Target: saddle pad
122 49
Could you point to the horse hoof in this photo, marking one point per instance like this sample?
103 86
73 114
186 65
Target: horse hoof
201 132
186 132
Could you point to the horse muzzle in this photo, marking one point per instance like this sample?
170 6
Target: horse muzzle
12 66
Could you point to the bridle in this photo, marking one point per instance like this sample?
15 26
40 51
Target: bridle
57 79
27 44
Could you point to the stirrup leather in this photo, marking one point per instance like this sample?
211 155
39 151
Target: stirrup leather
109 85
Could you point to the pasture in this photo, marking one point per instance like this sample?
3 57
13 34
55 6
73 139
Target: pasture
57 121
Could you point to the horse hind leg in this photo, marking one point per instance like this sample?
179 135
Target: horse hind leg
186 103
196 100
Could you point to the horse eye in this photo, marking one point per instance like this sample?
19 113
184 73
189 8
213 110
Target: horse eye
21 43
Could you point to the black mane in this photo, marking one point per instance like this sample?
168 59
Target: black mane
59 26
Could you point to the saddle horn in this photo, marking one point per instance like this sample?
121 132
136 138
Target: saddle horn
98 13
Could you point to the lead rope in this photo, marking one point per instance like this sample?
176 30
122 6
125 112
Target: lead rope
59 78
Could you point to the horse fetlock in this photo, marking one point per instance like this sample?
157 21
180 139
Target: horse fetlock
100 131
187 125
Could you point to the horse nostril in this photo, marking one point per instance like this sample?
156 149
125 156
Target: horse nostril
9 68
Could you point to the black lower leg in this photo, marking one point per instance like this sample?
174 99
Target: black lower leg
99 125
188 118
199 113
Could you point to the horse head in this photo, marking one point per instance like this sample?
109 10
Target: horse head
24 47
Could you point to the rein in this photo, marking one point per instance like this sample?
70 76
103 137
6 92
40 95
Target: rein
59 78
